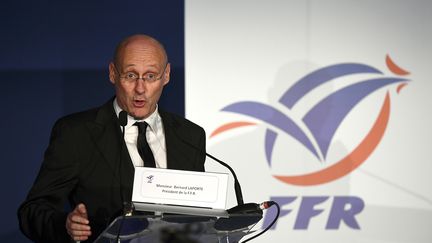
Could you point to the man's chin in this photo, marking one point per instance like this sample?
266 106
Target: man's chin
139 115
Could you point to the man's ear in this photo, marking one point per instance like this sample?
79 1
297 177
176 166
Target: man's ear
167 74
112 72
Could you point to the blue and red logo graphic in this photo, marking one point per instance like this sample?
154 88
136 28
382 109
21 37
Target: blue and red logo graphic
324 118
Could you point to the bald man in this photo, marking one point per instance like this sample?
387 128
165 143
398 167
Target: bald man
89 165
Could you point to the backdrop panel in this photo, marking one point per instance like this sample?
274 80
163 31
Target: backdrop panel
321 106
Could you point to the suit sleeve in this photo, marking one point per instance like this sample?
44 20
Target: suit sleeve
42 216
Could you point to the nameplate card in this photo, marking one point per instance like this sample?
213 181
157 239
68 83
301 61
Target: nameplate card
179 187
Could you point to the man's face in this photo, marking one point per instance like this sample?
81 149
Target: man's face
139 97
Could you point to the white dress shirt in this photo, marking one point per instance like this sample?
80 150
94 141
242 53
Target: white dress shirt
155 137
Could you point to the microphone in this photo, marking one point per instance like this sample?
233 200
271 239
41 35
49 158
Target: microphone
237 187
248 208
127 208
242 216
123 120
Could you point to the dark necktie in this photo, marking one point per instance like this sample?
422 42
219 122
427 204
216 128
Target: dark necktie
143 146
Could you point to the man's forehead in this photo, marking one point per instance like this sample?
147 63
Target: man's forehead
142 51
155 66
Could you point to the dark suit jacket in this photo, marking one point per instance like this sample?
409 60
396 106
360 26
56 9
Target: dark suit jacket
82 165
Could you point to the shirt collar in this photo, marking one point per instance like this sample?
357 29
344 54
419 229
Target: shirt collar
152 120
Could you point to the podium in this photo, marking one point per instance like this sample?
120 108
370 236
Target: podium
178 228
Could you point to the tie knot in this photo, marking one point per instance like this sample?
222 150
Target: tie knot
142 126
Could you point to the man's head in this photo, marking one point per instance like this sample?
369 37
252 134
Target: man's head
139 71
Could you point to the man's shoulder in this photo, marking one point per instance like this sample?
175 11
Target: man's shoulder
80 117
89 115
178 121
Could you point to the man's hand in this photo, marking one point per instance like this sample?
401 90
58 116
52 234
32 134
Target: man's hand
77 223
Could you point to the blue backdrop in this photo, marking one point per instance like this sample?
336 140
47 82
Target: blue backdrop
54 61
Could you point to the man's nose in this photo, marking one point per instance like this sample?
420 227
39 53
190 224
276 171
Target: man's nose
140 85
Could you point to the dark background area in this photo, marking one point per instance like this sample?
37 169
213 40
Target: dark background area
54 58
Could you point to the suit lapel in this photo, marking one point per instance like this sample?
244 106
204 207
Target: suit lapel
178 152
107 136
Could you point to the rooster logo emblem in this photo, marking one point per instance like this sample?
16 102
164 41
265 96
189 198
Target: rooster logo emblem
321 122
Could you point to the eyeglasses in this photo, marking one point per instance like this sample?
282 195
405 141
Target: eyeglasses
131 77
